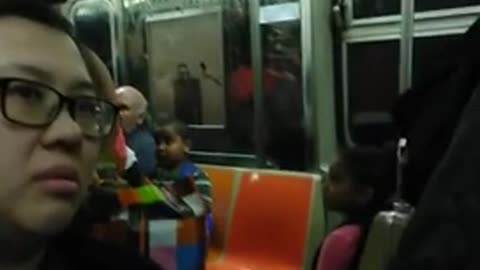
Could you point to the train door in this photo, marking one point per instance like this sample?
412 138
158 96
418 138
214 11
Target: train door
382 48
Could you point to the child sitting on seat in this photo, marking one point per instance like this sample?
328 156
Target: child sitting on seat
358 185
176 170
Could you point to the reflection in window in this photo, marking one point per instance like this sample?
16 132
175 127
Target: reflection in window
286 140
373 8
187 81
430 53
373 71
425 5
209 84
196 80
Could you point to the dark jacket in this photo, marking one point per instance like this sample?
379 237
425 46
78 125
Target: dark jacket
141 142
429 113
74 251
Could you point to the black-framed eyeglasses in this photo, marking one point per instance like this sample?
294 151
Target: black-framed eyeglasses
34 104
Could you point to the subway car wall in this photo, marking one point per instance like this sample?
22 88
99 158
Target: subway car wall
279 122
285 84
211 86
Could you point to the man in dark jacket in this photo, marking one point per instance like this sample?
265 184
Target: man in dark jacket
133 109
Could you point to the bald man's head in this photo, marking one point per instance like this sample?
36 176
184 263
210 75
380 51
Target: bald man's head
133 107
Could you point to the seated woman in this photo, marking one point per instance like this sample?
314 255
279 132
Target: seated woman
53 123
173 145
359 185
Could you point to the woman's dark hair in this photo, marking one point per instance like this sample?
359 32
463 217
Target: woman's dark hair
370 167
374 168
38 11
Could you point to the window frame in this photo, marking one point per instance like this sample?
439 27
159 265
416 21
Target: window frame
345 77
430 14
440 22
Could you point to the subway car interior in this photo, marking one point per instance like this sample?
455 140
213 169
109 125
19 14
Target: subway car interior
275 95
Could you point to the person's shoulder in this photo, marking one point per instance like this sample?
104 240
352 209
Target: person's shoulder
146 133
89 253
190 169
348 233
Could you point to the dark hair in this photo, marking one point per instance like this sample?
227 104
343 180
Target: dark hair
178 127
373 168
37 11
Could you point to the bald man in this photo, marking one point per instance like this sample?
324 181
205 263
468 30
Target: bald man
133 109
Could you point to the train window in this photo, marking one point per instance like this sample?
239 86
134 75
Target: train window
209 82
286 139
425 5
375 8
373 69
187 75
429 53
93 26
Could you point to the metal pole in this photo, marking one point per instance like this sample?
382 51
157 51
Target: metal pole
257 66
306 18
406 44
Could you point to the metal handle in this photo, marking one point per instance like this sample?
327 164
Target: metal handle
338 14
401 161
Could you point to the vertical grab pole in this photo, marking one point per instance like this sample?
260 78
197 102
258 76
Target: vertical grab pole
257 66
306 22
405 82
406 44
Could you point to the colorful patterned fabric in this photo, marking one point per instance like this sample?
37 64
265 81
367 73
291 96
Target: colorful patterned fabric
178 244
174 244
185 172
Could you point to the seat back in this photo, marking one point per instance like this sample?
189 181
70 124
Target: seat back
224 182
271 218
385 233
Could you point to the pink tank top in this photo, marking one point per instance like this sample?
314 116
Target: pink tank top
339 248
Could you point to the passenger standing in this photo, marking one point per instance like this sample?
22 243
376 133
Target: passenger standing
133 109
359 185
